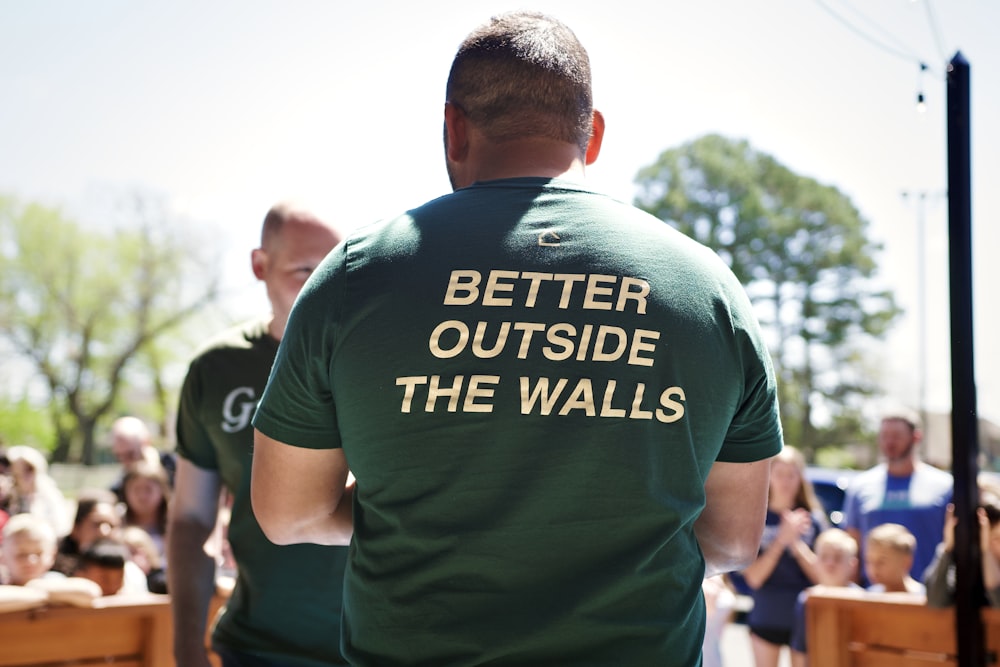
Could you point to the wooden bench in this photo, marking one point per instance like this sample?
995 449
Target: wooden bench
846 628
125 631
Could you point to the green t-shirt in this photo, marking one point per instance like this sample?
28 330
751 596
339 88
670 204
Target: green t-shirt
530 382
287 600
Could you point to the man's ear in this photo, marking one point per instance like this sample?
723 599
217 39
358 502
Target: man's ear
258 261
456 132
596 137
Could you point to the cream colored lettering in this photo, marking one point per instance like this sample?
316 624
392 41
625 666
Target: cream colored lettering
599 291
595 290
494 285
536 398
581 349
528 329
675 407
536 281
562 341
568 280
410 383
603 334
463 288
557 342
540 395
480 387
582 398
639 295
435 341
609 395
639 346
452 393
477 343
637 411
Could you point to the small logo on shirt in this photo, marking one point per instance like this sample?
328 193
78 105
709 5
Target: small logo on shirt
238 408
548 238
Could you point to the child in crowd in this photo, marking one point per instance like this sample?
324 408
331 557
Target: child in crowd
145 554
146 488
836 566
28 550
939 577
97 516
785 564
104 563
27 554
888 557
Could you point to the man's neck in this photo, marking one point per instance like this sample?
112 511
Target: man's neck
521 158
902 467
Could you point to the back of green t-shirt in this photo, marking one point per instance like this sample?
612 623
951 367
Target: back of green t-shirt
530 382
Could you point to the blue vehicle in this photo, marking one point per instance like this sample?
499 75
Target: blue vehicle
830 485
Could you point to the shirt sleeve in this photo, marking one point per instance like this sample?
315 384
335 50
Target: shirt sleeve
193 441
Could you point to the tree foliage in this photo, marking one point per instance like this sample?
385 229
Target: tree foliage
83 306
803 252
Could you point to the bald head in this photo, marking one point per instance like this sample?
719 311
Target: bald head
279 215
129 437
293 242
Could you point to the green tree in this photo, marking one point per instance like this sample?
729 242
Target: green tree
803 252
85 307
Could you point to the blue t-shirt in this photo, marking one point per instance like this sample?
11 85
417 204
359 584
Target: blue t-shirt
918 502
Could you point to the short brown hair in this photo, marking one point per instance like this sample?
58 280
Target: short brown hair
892 536
524 74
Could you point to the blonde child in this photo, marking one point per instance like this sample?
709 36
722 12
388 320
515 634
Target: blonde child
889 550
26 558
836 566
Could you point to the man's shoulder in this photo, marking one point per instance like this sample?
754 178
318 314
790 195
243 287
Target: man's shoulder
242 336
875 475
930 474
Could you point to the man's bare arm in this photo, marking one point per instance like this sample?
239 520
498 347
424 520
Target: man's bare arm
730 527
194 511
299 494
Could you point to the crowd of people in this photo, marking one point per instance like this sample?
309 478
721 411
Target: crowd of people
504 504
897 537
112 537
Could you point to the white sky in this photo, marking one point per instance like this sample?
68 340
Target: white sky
225 107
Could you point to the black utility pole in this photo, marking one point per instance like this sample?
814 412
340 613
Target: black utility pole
964 419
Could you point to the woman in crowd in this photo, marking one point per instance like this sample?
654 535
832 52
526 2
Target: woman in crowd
785 564
146 488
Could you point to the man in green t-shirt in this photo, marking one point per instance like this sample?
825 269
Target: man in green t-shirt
285 606
558 408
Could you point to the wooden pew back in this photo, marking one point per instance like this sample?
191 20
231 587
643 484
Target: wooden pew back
125 631
847 628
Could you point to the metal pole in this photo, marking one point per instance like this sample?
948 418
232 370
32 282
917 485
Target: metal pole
964 421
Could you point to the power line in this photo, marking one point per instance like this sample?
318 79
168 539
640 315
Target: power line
899 52
935 30
872 24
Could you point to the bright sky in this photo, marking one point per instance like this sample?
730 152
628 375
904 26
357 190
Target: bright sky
224 108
